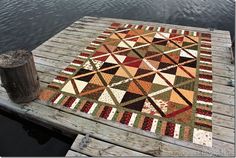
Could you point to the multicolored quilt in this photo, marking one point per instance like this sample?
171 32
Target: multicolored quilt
154 78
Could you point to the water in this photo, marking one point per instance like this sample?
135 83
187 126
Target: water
19 137
28 23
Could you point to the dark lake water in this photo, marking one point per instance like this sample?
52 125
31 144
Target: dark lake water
19 137
28 23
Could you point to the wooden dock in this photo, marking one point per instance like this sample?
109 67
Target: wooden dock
113 139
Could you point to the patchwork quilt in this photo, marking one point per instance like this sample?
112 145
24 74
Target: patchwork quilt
154 78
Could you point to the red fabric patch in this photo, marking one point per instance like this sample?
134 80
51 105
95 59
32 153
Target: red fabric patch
52 86
162 29
204 112
126 118
140 27
55 97
69 102
205 87
105 112
114 24
128 59
96 42
208 40
206 45
206 35
61 78
147 124
107 32
170 129
104 58
69 69
134 64
87 106
98 53
150 28
77 61
205 52
85 54
102 37
203 125
174 31
206 99
129 26
178 111
179 39
186 32
209 77
174 35
205 59
90 48
205 67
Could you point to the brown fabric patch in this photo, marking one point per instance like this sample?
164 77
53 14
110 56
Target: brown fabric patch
46 94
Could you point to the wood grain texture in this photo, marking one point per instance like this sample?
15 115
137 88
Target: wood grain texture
100 148
20 78
72 153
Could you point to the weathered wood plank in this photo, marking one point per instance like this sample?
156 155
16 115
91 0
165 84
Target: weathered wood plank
222 54
53 63
77 34
223 73
72 153
47 69
223 89
65 46
59 51
224 134
53 56
222 109
100 148
223 60
69 41
224 121
221 80
222 66
223 98
216 38
219 48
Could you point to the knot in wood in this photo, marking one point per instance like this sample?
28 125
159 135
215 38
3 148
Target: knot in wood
84 142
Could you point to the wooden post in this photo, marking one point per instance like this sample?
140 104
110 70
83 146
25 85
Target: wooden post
19 76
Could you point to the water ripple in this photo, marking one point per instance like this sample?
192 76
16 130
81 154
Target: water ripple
27 23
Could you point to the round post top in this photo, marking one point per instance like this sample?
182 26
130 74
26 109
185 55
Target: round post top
14 58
